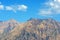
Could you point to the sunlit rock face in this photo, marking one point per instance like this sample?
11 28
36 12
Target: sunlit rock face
33 29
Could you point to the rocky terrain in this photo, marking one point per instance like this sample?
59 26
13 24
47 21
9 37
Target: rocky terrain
33 29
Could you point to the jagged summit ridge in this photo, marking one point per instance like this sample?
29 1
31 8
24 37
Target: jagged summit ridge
33 29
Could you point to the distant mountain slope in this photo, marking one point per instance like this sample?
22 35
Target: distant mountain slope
34 29
7 26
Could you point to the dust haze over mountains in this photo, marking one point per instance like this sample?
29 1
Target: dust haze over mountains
33 29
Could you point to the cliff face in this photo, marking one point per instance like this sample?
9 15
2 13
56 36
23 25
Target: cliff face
34 29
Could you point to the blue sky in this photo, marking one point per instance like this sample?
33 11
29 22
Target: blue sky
22 10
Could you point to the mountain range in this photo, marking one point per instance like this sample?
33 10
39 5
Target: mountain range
32 29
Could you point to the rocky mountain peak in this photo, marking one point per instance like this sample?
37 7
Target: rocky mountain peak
33 29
